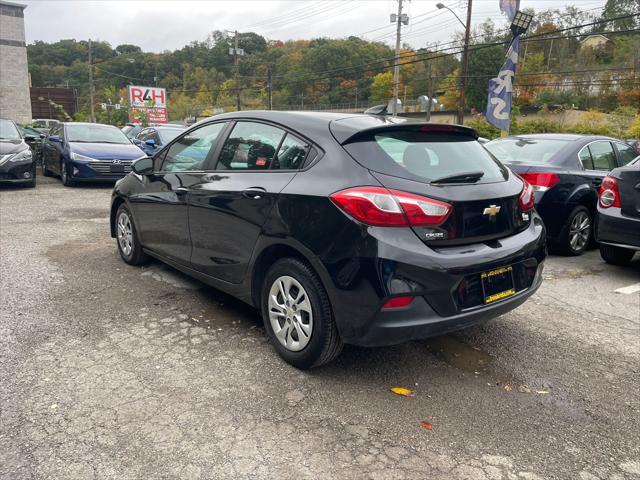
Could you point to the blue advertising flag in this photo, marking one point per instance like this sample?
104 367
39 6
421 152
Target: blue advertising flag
509 8
501 90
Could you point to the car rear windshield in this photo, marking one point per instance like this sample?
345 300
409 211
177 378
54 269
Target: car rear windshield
525 150
95 134
426 156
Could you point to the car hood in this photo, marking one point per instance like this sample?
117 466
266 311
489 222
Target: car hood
106 151
8 147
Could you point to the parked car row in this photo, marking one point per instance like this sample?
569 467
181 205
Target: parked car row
350 228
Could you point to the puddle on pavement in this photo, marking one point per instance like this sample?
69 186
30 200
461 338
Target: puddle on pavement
459 354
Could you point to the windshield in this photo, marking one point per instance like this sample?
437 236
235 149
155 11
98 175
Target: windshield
168 134
95 134
427 156
525 150
8 130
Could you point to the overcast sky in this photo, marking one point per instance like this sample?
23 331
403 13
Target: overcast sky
170 24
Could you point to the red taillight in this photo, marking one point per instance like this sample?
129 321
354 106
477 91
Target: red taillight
381 207
609 195
527 198
398 302
541 181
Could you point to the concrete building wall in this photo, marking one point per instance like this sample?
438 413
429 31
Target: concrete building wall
15 100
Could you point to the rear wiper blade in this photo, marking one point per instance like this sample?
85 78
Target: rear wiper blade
466 177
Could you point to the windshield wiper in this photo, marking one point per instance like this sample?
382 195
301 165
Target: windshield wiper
465 177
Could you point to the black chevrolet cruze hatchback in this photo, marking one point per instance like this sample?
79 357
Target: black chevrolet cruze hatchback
338 228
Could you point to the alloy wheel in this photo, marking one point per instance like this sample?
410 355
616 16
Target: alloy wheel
125 233
579 231
290 313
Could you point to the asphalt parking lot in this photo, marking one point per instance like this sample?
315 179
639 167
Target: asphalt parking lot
119 372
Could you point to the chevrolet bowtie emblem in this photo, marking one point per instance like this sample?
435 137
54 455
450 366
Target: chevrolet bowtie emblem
491 210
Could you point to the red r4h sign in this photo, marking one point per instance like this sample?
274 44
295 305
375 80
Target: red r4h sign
149 102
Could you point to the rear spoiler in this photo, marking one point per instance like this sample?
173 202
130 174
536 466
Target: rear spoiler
367 133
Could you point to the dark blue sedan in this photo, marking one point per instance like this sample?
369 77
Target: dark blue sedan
84 152
152 139
565 172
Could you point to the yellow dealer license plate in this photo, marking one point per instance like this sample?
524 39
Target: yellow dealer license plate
498 284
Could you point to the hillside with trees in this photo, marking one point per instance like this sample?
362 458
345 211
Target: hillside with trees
556 68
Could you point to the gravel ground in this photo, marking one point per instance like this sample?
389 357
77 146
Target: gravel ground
119 372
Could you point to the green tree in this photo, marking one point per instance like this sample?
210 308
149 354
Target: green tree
382 87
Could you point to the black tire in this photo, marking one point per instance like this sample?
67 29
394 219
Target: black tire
67 181
564 245
616 255
324 342
134 256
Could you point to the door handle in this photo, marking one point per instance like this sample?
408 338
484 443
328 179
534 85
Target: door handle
254 193
181 191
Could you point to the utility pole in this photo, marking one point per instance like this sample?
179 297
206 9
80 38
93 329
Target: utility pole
236 61
396 66
356 107
465 65
549 57
92 113
432 90
270 87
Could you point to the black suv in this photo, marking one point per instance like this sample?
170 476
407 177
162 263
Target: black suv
337 228
565 172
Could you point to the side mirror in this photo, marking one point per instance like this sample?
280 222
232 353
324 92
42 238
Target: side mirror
151 142
42 135
29 138
143 166
135 141
55 138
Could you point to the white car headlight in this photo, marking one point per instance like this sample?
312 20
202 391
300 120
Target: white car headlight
77 156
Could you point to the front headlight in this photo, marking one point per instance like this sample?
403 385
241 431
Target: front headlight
23 156
77 156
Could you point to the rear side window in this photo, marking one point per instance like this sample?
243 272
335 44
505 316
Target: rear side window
291 154
426 156
627 154
250 146
604 158
585 158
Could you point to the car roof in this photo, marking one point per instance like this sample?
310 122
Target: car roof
315 125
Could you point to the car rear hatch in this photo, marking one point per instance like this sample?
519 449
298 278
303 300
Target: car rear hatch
446 164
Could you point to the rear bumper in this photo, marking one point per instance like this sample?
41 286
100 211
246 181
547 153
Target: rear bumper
420 321
613 228
445 283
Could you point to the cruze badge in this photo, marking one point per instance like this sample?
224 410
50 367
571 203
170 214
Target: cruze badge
491 210
116 161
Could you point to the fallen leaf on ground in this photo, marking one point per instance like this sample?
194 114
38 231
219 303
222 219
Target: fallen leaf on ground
524 389
541 392
508 388
405 392
426 425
